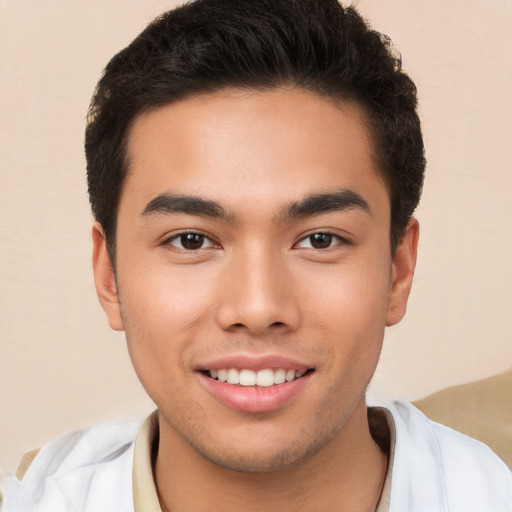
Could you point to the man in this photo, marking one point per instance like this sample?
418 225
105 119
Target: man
253 169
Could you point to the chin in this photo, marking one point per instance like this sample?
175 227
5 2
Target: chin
262 454
262 461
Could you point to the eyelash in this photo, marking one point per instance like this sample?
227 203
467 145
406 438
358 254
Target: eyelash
179 236
340 240
212 243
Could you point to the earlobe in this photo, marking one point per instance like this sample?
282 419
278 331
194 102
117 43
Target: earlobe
104 278
402 272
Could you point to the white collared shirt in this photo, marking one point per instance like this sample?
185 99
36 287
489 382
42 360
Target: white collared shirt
431 469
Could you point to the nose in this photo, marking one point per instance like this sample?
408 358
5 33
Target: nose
257 295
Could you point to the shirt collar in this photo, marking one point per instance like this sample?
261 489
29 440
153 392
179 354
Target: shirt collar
145 496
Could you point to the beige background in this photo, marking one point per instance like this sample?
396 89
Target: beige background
60 365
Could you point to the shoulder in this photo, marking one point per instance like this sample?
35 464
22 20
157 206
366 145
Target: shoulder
77 471
443 468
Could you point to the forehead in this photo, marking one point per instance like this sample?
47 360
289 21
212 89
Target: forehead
238 146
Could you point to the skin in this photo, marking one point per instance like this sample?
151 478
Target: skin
257 286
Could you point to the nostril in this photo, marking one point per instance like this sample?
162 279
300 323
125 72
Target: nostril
274 325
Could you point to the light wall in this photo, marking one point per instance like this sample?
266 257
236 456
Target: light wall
62 368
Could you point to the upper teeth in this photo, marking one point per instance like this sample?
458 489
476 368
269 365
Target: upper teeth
264 378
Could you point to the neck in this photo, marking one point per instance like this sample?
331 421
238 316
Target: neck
346 474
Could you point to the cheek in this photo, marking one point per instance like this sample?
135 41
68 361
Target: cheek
347 308
347 298
163 298
162 312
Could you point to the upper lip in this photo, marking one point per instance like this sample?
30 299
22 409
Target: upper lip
254 362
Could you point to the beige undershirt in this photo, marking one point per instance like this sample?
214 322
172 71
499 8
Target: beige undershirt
145 496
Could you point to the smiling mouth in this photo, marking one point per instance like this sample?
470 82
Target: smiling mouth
262 378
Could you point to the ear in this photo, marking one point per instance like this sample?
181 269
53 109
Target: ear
104 278
402 272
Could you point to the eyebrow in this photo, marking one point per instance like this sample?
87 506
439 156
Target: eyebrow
170 203
311 205
317 204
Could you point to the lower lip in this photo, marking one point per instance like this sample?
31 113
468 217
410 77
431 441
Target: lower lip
254 399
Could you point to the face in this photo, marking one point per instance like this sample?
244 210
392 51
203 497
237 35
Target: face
254 274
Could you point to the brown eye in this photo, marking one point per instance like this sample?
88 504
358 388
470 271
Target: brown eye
190 241
320 240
